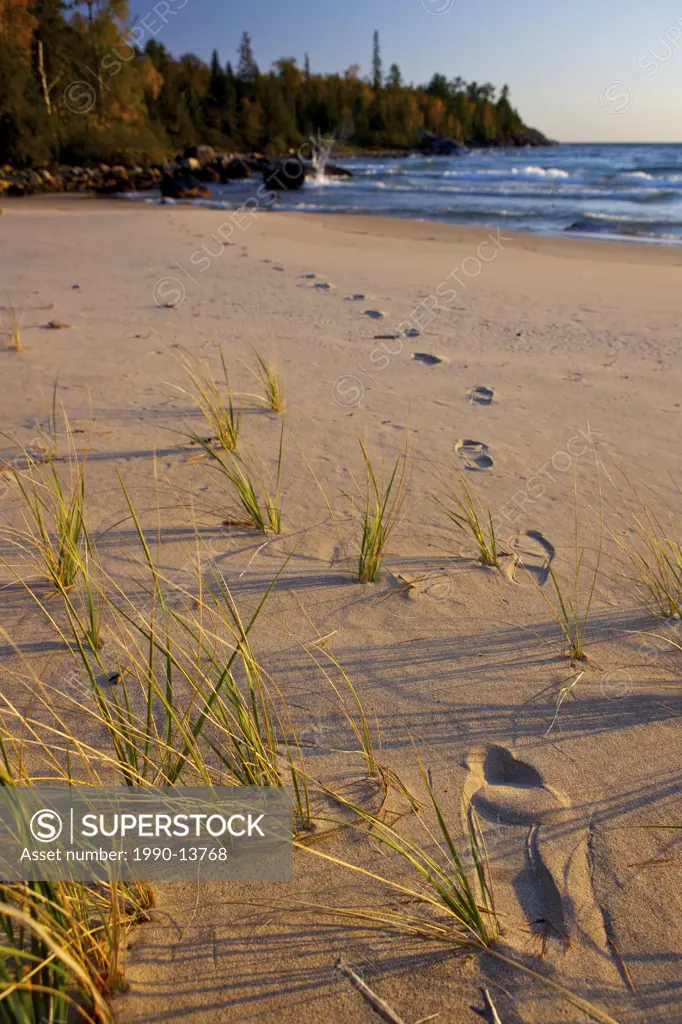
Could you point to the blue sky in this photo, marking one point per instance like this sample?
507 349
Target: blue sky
587 70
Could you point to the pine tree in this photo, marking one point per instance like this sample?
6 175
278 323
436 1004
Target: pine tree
376 63
395 79
247 69
217 87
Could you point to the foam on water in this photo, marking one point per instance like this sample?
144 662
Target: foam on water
626 191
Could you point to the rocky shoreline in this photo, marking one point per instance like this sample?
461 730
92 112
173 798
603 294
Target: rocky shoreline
188 175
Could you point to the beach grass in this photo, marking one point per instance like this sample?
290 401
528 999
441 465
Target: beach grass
258 497
194 705
452 903
377 507
53 513
63 946
215 400
269 377
13 341
652 551
463 508
45 447
572 600
62 943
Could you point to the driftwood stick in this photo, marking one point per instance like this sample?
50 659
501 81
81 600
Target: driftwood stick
490 1013
377 1004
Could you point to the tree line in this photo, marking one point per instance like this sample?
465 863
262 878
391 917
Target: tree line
80 84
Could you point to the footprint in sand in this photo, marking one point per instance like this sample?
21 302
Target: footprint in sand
374 314
411 332
307 277
481 395
323 286
511 791
553 866
552 885
357 298
474 453
532 554
426 357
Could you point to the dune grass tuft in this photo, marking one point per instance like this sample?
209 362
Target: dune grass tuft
64 948
259 503
463 508
572 604
453 903
13 342
54 530
215 401
62 942
377 507
268 376
653 558
567 611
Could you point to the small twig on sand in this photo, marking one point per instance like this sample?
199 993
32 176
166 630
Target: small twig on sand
490 1013
623 965
377 1004
563 694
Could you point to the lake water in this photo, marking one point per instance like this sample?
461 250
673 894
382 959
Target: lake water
609 191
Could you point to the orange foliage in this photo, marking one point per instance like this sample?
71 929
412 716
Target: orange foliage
17 24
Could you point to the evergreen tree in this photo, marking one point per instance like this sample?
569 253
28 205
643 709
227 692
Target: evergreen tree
376 63
395 79
247 69
217 87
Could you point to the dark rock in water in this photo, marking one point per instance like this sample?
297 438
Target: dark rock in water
208 174
439 145
285 174
334 171
183 188
330 170
235 169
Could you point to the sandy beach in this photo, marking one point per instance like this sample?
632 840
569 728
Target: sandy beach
573 346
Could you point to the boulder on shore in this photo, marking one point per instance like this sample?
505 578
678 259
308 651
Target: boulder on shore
438 145
235 169
283 175
330 170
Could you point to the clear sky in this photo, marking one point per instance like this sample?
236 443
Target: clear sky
586 70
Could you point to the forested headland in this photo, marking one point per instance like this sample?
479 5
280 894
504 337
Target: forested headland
80 84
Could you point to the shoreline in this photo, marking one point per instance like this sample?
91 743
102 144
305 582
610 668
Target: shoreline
382 226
